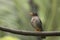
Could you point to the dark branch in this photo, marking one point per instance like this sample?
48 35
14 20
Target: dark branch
30 33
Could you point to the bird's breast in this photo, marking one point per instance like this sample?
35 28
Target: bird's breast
33 21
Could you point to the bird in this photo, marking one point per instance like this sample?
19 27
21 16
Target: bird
35 20
36 24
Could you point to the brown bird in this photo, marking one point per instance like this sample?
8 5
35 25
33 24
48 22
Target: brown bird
36 23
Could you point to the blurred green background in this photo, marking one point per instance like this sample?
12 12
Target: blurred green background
15 14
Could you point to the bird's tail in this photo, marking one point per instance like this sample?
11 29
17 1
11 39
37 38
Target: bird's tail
43 37
40 37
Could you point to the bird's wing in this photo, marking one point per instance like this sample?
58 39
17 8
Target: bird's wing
39 24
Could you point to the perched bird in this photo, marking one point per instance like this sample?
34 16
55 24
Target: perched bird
36 23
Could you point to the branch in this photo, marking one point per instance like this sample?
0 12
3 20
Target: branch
30 33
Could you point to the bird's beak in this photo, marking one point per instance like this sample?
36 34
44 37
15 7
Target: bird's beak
31 13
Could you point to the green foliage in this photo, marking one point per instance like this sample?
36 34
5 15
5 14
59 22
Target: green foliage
15 14
9 38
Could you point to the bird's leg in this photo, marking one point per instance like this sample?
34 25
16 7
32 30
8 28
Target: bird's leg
37 29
